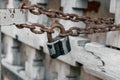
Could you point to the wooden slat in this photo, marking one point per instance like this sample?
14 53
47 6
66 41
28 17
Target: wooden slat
10 16
110 58
113 38
112 6
34 40
0 52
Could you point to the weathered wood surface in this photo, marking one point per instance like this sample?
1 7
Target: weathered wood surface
87 76
113 38
36 40
109 57
97 59
55 68
101 10
0 52
11 16
113 6
14 69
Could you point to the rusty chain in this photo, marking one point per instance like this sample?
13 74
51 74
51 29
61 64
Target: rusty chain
73 31
100 25
38 10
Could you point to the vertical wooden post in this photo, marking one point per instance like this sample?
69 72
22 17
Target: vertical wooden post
0 52
25 1
34 65
2 5
113 38
54 4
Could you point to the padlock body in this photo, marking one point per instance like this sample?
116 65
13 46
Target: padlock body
65 45
54 49
68 44
59 46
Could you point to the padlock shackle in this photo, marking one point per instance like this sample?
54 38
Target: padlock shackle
25 1
52 27
49 36
59 26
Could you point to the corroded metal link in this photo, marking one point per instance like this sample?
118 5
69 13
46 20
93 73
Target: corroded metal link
95 25
33 28
73 31
38 7
38 10
21 26
40 31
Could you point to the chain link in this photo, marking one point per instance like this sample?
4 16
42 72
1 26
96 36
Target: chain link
100 25
73 31
38 9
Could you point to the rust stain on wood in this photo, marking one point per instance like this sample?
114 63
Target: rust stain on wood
54 4
93 6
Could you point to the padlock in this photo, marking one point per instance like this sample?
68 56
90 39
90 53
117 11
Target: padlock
64 45
54 49
59 45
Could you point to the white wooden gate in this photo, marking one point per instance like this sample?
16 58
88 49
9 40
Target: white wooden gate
97 59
